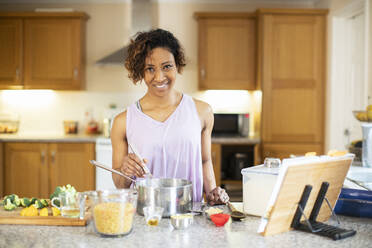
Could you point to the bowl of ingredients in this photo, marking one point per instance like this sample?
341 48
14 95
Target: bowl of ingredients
213 210
181 221
153 215
361 116
113 211
9 123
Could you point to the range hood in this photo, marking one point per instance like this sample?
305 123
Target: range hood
141 18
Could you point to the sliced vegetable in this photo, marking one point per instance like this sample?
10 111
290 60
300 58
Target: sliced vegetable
29 211
38 204
9 206
33 200
25 202
59 189
56 211
43 212
44 202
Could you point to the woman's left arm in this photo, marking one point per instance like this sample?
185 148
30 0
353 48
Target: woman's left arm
215 195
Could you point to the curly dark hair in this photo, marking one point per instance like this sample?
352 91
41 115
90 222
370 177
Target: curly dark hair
143 43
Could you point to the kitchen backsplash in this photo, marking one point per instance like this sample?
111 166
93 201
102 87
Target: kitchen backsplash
43 111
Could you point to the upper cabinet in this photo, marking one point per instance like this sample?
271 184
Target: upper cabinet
292 71
42 51
227 51
11 37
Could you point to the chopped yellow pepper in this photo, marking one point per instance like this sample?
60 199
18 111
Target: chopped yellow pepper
43 212
30 211
56 211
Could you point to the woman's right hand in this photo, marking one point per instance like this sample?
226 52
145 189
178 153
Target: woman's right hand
132 166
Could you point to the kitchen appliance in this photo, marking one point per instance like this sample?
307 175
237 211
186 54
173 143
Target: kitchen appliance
104 156
172 194
238 161
258 184
228 124
367 145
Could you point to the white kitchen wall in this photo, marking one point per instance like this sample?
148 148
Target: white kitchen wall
108 29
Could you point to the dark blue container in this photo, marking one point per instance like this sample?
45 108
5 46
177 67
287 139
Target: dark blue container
354 202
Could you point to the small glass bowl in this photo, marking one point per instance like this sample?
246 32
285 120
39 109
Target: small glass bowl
153 215
182 221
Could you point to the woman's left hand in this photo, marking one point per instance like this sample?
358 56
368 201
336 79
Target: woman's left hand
217 196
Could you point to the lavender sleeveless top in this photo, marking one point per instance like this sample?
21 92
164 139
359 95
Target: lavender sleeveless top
172 147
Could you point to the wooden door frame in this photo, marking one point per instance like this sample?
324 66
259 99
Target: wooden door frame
337 42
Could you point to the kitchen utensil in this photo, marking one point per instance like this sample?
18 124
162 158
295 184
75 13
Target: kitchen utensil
112 210
367 145
360 184
134 150
69 204
235 214
181 221
102 166
172 194
153 215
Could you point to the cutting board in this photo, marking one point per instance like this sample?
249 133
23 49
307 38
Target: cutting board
14 217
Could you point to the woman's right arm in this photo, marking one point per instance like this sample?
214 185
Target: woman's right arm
127 164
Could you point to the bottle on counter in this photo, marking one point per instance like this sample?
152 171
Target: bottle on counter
107 121
91 125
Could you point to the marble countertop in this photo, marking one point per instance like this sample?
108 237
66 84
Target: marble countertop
202 233
48 137
60 137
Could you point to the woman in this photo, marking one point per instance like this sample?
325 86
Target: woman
171 130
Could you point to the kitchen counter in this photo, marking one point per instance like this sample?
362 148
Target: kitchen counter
236 140
202 233
56 137
48 137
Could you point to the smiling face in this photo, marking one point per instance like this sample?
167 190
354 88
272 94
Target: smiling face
160 71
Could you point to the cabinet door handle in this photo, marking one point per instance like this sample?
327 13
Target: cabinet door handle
76 73
42 157
17 74
202 73
52 156
213 157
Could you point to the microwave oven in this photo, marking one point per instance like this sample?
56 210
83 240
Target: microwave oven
228 124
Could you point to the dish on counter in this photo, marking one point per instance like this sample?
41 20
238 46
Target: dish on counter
182 221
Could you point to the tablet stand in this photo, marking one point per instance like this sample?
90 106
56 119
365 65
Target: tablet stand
311 225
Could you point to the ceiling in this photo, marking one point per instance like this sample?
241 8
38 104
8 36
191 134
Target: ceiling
297 2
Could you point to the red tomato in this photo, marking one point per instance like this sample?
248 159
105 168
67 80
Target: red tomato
220 219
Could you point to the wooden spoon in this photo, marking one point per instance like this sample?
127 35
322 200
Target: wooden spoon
235 214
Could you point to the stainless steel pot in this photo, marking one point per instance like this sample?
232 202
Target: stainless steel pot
172 194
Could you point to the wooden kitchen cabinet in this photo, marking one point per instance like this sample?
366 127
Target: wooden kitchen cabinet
11 37
227 51
292 57
35 169
43 50
285 150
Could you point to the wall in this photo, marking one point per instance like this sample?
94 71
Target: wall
107 30
334 131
